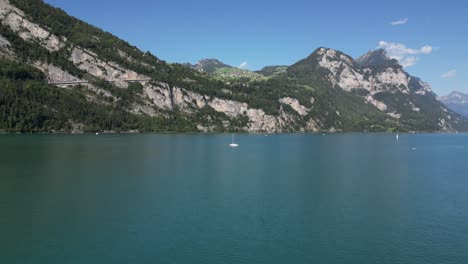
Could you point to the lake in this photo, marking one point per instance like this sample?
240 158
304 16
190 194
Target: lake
299 198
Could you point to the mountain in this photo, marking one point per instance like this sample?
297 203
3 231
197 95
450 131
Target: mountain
272 70
208 65
381 82
457 102
222 71
377 58
61 74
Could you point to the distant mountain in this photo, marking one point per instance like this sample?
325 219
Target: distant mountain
222 71
208 65
58 73
272 70
456 101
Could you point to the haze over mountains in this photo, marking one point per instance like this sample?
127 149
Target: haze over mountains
457 102
66 75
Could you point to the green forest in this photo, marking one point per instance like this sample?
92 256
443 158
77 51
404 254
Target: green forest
29 105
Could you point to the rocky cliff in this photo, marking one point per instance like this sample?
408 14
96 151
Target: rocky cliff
382 82
329 90
156 95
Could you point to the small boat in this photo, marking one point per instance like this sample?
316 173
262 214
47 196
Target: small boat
233 144
397 137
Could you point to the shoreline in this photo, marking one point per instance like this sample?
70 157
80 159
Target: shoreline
227 133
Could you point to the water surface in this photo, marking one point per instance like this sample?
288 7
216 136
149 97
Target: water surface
344 198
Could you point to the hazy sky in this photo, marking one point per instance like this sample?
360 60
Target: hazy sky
429 37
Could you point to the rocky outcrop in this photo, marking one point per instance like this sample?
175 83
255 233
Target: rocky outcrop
295 105
57 75
139 109
230 108
379 105
391 80
262 122
349 75
5 48
312 126
374 72
395 115
159 95
420 87
89 62
342 70
27 30
168 98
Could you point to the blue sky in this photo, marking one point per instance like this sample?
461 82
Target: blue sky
429 36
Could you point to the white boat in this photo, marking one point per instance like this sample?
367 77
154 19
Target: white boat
233 144
397 137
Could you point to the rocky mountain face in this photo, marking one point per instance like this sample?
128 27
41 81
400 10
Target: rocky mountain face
382 82
127 89
377 58
457 102
103 75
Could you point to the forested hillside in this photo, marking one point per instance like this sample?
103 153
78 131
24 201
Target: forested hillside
59 73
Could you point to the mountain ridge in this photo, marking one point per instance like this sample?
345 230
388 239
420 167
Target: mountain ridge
327 91
456 101
377 58
208 65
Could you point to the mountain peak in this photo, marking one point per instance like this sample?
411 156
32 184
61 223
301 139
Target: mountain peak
376 58
323 54
325 51
209 65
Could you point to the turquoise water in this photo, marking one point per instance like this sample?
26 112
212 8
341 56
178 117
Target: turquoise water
341 198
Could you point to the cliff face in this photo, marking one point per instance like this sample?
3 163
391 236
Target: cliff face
382 82
27 30
170 98
155 96
329 90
